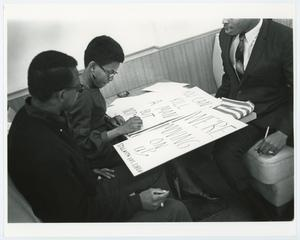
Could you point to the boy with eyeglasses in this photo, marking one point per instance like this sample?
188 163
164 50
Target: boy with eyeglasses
94 131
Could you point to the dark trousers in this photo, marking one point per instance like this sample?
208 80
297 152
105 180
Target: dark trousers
155 178
110 160
173 211
188 170
228 153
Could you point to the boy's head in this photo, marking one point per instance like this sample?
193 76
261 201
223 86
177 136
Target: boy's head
102 59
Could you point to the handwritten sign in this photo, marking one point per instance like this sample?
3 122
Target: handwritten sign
156 108
169 140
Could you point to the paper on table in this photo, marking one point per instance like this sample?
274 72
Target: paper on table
157 88
200 97
143 100
155 108
165 86
155 114
160 144
149 97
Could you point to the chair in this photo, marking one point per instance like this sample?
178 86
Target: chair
19 210
272 176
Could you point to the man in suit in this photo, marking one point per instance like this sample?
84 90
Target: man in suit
257 59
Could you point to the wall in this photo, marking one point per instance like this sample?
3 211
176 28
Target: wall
31 30
189 60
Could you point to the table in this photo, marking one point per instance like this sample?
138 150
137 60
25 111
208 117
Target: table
167 140
139 90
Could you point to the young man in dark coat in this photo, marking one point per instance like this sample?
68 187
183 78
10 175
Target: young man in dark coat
49 170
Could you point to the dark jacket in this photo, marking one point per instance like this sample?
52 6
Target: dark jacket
268 77
49 170
89 124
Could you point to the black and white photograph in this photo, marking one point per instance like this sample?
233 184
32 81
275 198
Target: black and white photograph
150 119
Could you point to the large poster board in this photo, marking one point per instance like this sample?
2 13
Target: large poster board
169 140
157 107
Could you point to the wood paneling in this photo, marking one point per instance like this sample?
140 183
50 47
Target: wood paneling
186 61
17 103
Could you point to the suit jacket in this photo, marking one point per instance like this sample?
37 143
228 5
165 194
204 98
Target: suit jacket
268 77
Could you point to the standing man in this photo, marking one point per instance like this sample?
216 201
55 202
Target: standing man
50 171
258 66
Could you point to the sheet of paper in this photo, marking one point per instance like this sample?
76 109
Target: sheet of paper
156 108
165 86
198 97
122 101
155 114
160 144
143 99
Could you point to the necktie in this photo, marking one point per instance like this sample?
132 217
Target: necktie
239 56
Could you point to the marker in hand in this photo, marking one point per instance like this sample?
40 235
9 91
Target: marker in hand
267 132
160 192
265 137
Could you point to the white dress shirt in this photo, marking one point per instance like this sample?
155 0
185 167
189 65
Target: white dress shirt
250 39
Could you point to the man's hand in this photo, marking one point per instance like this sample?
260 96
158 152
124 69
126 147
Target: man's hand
153 198
272 144
119 120
131 125
116 121
104 172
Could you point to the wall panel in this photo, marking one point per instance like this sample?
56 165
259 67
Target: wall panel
186 61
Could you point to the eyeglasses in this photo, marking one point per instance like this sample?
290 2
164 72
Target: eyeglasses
110 73
79 88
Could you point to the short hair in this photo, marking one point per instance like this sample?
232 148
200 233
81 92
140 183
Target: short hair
103 50
49 72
